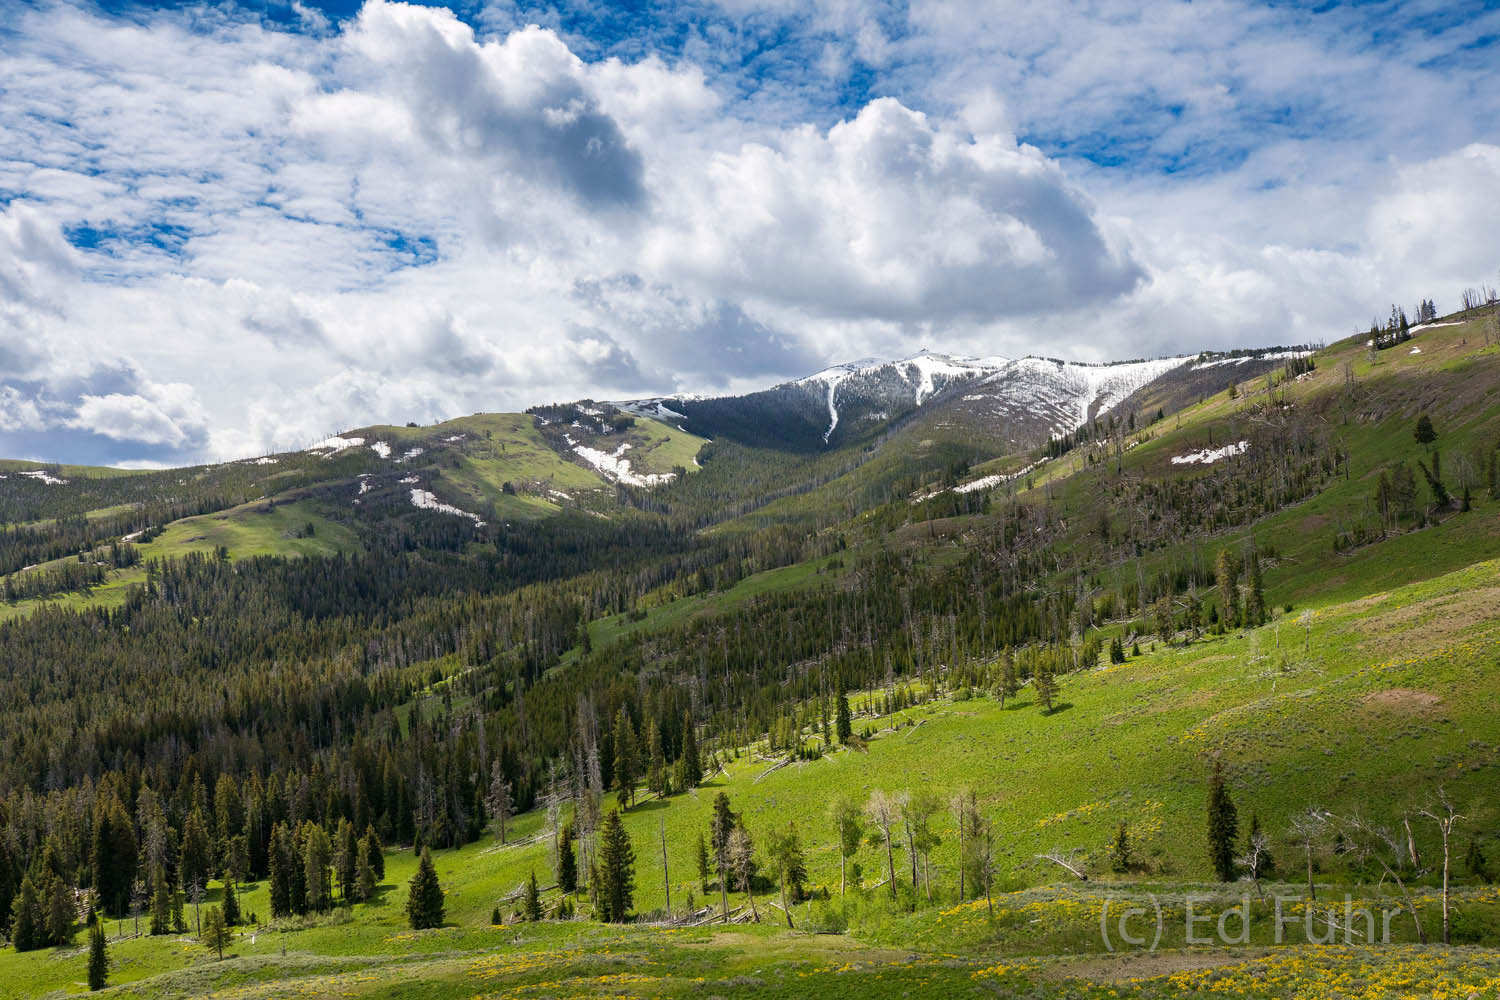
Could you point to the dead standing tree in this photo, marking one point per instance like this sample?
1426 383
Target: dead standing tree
1446 817
1384 847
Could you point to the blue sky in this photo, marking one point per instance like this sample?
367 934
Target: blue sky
233 228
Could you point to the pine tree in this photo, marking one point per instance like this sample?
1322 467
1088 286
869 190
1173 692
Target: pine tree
843 720
346 860
1424 432
1223 826
1474 860
161 903
1120 859
690 763
656 769
364 873
702 859
424 898
567 862
317 856
195 852
231 907
531 900
28 926
1226 576
278 861
98 958
785 850
1255 600
62 913
1044 683
617 869
377 853
1010 678
179 923
627 757
216 934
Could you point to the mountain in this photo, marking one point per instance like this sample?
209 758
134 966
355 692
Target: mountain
1019 403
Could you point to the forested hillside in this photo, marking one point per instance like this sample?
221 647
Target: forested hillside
273 684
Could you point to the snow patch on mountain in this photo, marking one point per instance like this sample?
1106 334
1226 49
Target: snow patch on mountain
381 448
337 444
1246 358
1208 456
41 476
427 501
617 467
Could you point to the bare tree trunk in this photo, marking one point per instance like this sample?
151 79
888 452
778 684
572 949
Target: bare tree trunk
665 878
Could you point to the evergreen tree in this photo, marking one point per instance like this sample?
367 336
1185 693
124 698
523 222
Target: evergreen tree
317 856
567 862
843 720
231 907
656 769
1044 683
279 862
1226 576
216 934
616 869
531 900
196 851
377 853
1120 860
1424 432
627 757
690 763
113 856
720 827
346 859
62 912
702 859
424 897
1474 860
1223 826
179 923
98 958
28 925
1255 599
364 874
785 850
1010 678
161 903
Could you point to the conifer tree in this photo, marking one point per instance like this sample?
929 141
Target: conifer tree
1044 683
499 799
278 861
231 907
98 958
161 903
627 757
567 862
690 763
1120 859
1223 826
364 874
179 923
843 720
703 864
531 900
28 925
617 869
1423 431
1226 576
61 911
785 850
317 856
195 852
720 826
424 897
377 853
215 933
346 859
1255 599
656 770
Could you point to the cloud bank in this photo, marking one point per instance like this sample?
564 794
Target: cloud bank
221 235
